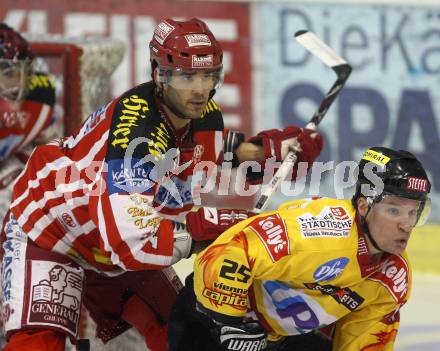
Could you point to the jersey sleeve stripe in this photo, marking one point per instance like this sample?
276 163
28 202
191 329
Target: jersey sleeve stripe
102 226
42 173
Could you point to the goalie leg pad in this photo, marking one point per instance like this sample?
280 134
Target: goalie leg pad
41 289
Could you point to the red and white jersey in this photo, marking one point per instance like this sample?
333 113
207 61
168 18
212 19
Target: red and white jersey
21 123
101 195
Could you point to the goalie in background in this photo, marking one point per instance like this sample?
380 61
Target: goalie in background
111 200
27 99
317 274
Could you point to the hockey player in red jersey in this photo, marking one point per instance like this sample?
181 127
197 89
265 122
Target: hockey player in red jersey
276 281
98 218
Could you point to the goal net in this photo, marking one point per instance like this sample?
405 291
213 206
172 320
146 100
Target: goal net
82 69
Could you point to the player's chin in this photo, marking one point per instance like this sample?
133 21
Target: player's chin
195 112
399 247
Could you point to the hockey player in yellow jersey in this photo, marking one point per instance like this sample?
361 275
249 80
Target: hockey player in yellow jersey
274 280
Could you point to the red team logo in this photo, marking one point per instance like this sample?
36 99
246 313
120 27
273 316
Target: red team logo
339 213
272 232
68 220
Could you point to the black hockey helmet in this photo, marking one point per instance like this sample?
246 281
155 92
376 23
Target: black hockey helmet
384 171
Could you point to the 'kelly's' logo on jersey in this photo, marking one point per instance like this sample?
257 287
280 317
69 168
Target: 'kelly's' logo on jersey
394 276
273 234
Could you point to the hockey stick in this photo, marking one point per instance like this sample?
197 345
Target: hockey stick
342 69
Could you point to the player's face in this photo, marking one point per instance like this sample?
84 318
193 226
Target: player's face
189 90
391 221
13 76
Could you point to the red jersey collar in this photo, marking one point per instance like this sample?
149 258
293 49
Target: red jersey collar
366 264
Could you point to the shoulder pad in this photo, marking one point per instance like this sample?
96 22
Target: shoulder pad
394 276
42 89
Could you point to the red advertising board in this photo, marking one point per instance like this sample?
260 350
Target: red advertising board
132 21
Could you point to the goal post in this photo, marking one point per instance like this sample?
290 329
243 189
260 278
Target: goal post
82 69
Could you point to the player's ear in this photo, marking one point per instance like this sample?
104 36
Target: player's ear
362 206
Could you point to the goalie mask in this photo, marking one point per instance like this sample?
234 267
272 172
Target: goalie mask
15 64
385 174
185 57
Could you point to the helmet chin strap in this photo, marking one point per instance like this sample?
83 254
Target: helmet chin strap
366 230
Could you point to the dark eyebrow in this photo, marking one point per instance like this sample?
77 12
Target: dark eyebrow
392 202
192 72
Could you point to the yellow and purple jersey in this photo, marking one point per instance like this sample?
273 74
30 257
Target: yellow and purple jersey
301 268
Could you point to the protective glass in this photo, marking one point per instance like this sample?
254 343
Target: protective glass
14 78
403 210
195 79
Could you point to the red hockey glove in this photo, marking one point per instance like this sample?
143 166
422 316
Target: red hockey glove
207 223
277 143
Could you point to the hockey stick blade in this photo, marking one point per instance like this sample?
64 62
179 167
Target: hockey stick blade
342 69
326 55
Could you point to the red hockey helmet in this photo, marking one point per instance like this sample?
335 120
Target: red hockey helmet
12 45
184 44
189 59
15 64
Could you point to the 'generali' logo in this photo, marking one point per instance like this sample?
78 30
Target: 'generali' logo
273 233
55 296
417 184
